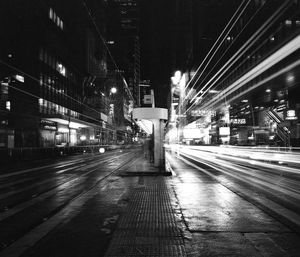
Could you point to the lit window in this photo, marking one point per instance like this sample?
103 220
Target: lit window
51 13
19 78
297 23
8 105
61 69
61 24
54 16
58 21
288 22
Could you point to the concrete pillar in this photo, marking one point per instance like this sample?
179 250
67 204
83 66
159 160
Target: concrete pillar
158 131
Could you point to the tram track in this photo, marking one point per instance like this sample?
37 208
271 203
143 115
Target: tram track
81 193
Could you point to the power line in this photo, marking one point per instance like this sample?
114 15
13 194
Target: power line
107 48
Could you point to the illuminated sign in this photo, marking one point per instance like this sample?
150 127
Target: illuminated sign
238 121
48 125
291 115
202 113
224 131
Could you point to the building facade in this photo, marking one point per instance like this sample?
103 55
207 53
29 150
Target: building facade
54 74
123 35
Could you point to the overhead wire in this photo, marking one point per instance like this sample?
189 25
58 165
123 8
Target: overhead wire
249 43
47 85
107 48
215 44
61 93
234 40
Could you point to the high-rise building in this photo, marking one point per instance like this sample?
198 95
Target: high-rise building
53 74
123 35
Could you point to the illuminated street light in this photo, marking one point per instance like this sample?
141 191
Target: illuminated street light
113 90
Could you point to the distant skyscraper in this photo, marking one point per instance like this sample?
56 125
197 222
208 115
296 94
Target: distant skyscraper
123 30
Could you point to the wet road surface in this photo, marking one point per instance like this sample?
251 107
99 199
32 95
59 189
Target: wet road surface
101 205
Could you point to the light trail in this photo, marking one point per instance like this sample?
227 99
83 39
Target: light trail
249 43
256 167
270 157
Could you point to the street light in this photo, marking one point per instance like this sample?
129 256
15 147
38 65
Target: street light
113 90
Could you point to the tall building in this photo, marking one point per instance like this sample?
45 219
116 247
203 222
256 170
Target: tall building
53 74
123 35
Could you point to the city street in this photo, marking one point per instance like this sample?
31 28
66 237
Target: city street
149 128
104 205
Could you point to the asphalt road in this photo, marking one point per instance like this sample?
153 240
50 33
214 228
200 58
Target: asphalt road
216 205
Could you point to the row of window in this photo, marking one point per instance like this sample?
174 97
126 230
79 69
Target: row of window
58 91
56 19
47 107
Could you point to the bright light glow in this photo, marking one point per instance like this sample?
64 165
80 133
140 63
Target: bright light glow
233 157
176 78
224 131
145 125
182 84
76 125
244 101
63 130
192 133
101 150
291 113
276 57
73 124
268 90
8 105
290 78
19 78
113 90
82 137
61 69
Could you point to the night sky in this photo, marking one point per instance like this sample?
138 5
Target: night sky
159 28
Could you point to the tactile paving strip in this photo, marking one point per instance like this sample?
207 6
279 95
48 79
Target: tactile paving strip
148 226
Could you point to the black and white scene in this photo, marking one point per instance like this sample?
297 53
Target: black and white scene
149 128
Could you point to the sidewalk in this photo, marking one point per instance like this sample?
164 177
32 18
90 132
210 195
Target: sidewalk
138 211
130 214
149 225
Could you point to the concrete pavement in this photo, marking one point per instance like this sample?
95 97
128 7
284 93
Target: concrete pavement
139 212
